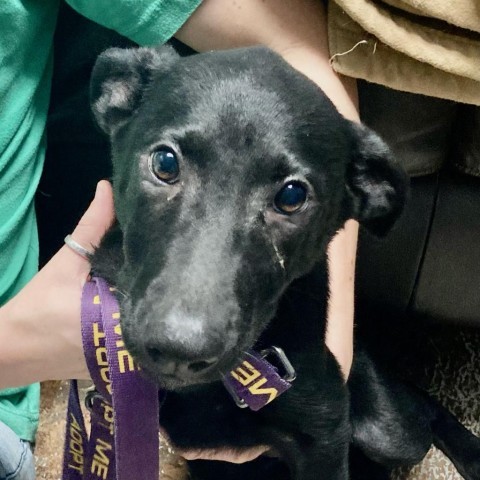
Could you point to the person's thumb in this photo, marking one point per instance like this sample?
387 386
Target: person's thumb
97 219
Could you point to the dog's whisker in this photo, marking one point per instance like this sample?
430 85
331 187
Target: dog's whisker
123 294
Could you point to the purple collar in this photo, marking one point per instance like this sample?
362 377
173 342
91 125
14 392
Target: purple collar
256 382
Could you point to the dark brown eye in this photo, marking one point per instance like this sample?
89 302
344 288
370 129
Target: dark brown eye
291 197
164 165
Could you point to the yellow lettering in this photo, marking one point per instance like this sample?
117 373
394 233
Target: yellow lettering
107 412
125 361
101 356
75 430
118 330
245 376
76 445
116 315
75 442
76 467
100 449
105 376
100 460
256 390
75 424
97 335
108 418
99 469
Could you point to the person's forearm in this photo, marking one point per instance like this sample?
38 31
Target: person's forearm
296 29
33 346
40 336
20 363
8 354
341 254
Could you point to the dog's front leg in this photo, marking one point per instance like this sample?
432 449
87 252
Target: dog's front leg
318 462
260 469
329 465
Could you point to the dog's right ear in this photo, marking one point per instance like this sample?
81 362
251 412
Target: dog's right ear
118 81
376 185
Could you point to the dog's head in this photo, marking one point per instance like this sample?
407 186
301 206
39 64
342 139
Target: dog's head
232 172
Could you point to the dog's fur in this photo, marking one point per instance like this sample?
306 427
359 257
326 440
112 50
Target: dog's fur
208 266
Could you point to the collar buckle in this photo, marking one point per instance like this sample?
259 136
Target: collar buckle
256 382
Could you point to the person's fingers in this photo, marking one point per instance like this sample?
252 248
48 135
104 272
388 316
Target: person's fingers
89 231
97 219
224 454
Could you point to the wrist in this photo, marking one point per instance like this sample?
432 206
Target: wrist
17 359
314 64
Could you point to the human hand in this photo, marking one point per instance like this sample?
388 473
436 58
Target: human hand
40 327
224 454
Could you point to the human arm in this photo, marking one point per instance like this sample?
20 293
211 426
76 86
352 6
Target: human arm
40 328
296 29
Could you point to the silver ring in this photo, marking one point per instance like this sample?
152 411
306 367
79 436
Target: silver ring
77 248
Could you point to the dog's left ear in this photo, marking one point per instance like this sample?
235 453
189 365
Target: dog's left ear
376 185
119 79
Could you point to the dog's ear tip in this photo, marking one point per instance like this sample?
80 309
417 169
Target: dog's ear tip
118 79
381 227
377 185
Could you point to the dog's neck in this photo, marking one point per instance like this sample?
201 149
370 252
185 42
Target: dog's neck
302 310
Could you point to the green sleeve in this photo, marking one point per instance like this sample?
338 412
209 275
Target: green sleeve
147 22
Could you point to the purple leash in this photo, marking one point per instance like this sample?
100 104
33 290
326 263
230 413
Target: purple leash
123 442
124 409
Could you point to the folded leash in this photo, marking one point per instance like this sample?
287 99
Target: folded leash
123 445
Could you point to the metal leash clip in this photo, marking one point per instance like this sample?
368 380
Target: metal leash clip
91 395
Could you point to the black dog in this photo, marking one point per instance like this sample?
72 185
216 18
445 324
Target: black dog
232 172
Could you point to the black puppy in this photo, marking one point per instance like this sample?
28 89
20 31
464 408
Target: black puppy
232 172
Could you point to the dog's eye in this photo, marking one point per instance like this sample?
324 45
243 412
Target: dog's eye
291 197
164 165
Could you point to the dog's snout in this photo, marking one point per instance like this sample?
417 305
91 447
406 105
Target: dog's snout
201 365
184 347
184 341
167 363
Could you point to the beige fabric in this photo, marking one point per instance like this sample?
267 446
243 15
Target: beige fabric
463 13
404 51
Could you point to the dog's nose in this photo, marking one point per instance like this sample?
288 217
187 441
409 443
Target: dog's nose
168 364
184 346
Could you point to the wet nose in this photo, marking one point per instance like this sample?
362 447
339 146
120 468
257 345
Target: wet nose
169 363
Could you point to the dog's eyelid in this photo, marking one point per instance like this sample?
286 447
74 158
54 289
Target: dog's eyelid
299 179
165 143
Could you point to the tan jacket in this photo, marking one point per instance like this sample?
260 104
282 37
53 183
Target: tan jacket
430 47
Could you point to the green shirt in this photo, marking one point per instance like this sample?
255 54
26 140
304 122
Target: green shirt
26 33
